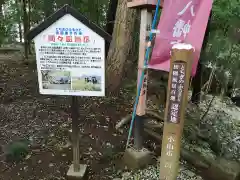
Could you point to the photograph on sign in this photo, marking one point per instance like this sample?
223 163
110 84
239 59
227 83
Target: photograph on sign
87 81
70 59
59 80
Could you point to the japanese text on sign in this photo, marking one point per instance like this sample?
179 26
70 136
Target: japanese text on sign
176 92
58 57
170 145
70 60
170 148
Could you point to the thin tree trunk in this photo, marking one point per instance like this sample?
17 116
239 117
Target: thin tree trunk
2 29
111 15
20 31
19 5
25 24
120 45
196 81
227 84
29 24
97 12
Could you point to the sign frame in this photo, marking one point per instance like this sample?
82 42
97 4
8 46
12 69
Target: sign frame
72 88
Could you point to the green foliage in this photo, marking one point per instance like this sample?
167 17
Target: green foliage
12 14
16 151
2 31
223 49
83 86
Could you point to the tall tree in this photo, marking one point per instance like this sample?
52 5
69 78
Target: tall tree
29 24
196 81
25 27
120 45
19 12
111 15
2 28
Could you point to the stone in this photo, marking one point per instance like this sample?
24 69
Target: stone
77 175
136 159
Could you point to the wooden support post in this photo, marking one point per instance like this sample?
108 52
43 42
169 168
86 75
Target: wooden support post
178 83
75 134
76 170
134 157
146 19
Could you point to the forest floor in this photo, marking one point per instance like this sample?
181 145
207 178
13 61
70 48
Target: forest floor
43 122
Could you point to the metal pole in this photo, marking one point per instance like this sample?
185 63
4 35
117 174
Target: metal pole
138 132
75 133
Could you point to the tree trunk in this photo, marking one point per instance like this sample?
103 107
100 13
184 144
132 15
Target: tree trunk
20 31
25 26
196 84
98 12
19 9
29 25
120 45
196 81
111 15
2 28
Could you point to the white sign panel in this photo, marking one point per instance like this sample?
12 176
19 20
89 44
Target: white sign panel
70 59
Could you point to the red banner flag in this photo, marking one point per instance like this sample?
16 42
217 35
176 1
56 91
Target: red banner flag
182 21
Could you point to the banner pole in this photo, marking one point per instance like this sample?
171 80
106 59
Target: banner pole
145 27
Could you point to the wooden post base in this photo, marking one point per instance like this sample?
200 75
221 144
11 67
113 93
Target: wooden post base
136 159
81 174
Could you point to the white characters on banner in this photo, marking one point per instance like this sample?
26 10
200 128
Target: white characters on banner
186 7
182 27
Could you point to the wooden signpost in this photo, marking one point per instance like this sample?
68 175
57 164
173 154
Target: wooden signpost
178 83
70 56
146 7
135 157
145 26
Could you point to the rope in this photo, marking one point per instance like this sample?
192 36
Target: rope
142 75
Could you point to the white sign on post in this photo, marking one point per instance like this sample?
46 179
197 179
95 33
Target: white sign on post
70 59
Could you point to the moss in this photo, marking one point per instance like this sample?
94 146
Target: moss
17 150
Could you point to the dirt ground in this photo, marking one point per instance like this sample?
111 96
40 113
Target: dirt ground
46 120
